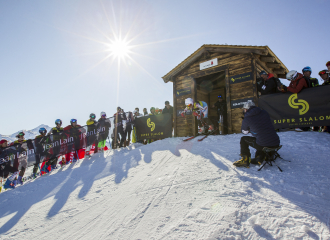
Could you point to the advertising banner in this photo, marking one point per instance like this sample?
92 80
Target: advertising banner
310 107
154 127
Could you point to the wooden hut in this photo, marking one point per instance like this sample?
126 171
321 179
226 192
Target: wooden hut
230 70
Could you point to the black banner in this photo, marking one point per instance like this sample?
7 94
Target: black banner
178 112
154 127
241 78
239 103
310 107
183 91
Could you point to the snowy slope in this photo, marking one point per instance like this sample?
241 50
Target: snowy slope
29 134
178 190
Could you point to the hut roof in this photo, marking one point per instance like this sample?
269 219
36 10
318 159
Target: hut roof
266 53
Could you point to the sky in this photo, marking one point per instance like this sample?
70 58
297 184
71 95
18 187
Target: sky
56 58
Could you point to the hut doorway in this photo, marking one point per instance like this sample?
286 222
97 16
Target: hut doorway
208 88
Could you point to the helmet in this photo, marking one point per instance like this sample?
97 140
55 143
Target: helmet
157 110
327 64
103 114
3 141
92 116
118 108
152 108
220 96
292 75
307 69
42 130
323 72
58 121
248 104
167 102
189 102
20 134
262 73
73 120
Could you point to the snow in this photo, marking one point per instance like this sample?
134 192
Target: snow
172 189
29 134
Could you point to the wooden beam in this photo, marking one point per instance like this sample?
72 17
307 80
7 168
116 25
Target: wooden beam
194 96
279 71
254 80
228 101
273 65
174 108
238 50
281 76
267 59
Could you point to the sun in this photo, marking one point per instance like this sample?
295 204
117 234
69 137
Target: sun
119 49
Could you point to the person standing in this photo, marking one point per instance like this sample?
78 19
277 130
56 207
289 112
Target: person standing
104 126
119 128
92 126
221 107
56 134
74 130
145 112
40 153
311 82
266 84
297 84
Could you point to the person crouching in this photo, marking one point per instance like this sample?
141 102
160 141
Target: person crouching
258 123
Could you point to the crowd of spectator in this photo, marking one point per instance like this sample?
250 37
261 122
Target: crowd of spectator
268 84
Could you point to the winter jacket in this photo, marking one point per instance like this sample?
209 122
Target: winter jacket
258 122
118 118
221 107
74 131
91 125
311 82
56 132
267 87
298 84
104 123
168 110
327 82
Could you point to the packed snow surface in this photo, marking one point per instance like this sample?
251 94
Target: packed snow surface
172 189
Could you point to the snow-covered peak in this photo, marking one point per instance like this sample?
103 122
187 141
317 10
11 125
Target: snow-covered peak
29 134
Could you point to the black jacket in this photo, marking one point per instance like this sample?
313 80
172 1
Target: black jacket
221 107
311 82
258 122
270 86
166 110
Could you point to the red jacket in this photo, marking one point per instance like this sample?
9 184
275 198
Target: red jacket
297 85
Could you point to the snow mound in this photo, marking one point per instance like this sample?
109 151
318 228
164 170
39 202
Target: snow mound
172 189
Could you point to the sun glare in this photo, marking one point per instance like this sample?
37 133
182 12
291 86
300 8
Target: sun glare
119 49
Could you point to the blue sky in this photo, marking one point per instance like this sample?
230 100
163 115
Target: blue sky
53 53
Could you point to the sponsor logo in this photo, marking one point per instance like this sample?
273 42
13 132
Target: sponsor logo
232 79
300 102
151 124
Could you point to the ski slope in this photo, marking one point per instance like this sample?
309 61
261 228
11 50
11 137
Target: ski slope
171 189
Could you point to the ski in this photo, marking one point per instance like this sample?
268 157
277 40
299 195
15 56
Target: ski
187 139
201 139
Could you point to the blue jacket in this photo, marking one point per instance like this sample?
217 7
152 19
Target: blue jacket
258 122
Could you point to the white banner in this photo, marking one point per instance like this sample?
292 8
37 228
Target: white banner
208 64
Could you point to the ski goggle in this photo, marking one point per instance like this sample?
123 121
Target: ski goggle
58 121
189 105
322 72
219 96
73 120
103 115
92 116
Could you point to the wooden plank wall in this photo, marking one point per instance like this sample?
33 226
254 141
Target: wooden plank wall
183 126
239 91
237 64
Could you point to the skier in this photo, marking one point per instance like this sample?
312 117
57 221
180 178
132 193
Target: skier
74 130
324 74
136 115
266 84
104 126
311 82
6 168
56 134
129 127
119 128
92 126
22 160
204 122
258 123
152 111
40 153
221 107
298 82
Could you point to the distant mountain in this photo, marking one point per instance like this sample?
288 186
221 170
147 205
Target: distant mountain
29 134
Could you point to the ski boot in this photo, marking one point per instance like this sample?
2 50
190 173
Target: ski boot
201 130
20 180
243 162
54 166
